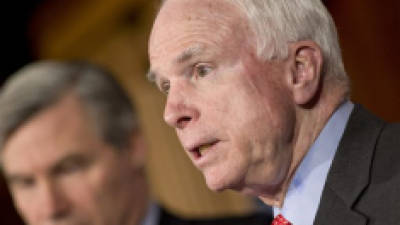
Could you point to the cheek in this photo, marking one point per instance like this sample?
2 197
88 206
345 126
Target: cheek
266 106
258 118
90 191
109 181
27 206
81 191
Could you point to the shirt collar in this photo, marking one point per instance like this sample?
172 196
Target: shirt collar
305 190
152 215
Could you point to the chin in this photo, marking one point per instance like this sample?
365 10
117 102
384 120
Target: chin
216 186
217 181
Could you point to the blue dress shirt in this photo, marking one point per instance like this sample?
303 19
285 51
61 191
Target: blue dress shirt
305 190
152 215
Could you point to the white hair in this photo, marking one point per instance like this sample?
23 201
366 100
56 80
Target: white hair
276 23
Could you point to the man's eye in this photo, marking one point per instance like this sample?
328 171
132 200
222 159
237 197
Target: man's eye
201 70
164 87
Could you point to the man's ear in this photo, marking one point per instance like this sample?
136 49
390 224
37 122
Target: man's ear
306 62
138 150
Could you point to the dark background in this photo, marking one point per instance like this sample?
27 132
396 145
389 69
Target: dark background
15 42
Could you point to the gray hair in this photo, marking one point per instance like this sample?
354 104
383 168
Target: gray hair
39 85
276 23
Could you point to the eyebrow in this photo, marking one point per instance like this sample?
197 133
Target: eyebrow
186 55
151 76
13 178
75 157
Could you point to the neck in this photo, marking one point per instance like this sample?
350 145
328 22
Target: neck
309 124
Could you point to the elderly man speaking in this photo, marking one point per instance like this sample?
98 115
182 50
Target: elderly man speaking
258 96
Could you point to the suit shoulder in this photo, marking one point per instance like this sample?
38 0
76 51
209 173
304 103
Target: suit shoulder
380 201
390 137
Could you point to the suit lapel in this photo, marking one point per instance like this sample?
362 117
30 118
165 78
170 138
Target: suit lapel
349 173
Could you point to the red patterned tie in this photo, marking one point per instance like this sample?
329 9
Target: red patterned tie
280 220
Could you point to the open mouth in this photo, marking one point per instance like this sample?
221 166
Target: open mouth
199 151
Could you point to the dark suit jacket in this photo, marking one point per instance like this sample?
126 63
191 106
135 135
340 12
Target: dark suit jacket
255 219
363 184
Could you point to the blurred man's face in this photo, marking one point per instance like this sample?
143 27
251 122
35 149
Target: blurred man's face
232 112
60 172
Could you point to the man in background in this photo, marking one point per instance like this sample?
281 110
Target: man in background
259 98
72 151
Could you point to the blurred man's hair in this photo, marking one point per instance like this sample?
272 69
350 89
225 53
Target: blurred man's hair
40 85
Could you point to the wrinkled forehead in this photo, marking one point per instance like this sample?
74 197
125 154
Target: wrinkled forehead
183 24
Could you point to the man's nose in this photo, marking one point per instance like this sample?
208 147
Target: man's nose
179 112
53 204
